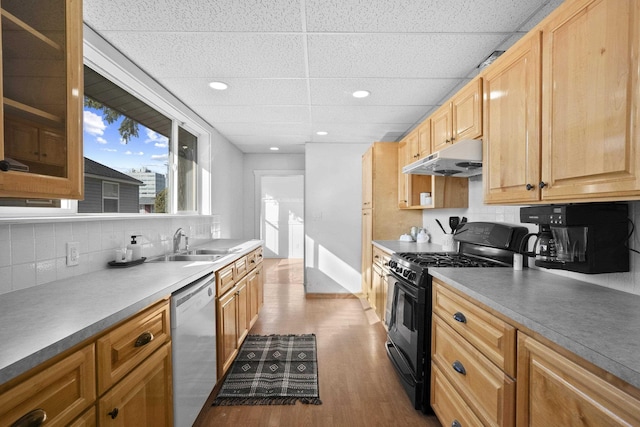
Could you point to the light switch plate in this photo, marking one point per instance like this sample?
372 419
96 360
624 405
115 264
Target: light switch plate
73 253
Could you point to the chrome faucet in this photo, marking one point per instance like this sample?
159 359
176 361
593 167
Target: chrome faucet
177 236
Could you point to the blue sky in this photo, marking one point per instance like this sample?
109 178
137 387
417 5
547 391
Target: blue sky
103 144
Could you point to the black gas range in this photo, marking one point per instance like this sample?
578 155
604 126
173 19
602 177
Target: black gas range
482 245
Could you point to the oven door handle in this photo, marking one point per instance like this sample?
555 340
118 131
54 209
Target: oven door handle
408 377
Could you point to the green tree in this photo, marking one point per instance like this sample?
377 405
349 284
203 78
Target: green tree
160 204
128 127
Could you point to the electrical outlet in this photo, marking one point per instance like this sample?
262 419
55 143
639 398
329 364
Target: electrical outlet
73 253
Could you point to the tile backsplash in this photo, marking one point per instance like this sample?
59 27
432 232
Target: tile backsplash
478 211
34 252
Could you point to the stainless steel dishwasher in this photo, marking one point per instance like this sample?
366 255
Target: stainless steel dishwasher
193 330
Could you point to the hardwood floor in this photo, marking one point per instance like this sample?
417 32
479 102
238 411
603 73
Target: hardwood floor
358 386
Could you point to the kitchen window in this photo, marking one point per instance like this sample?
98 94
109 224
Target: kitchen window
125 138
110 196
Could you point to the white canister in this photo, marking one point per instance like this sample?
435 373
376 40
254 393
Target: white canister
425 199
448 244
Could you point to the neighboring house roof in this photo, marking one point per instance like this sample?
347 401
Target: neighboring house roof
98 170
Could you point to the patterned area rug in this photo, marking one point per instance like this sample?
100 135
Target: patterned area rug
273 370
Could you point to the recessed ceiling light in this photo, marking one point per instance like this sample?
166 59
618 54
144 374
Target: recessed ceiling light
361 94
322 133
274 148
218 85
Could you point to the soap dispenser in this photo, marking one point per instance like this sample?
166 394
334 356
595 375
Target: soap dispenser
136 249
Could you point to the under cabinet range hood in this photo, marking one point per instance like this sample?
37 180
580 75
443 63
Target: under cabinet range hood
462 159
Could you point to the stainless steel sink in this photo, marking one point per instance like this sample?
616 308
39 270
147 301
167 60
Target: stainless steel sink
211 251
186 257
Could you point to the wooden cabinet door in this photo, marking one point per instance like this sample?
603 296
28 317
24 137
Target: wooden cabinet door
260 286
242 297
62 391
404 180
367 179
225 279
555 391
227 325
511 142
254 295
376 279
20 141
441 127
424 138
591 114
142 398
413 142
53 148
43 83
367 233
466 112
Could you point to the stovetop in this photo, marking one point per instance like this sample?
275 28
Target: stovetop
413 267
448 259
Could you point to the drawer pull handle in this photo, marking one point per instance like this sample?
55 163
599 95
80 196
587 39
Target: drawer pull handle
5 166
113 414
35 418
144 339
459 367
459 317
456 423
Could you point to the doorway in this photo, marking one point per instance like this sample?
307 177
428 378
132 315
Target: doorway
282 215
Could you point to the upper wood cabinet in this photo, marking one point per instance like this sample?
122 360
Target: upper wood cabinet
459 118
591 101
589 124
367 179
511 141
42 94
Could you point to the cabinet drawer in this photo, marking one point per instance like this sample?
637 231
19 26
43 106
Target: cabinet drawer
224 280
381 258
241 267
63 391
493 337
257 255
448 405
485 388
122 349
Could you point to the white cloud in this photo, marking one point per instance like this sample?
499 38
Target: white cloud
159 156
131 153
128 152
161 144
109 150
157 138
93 123
123 142
101 140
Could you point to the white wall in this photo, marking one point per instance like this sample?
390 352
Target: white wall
478 211
333 200
254 164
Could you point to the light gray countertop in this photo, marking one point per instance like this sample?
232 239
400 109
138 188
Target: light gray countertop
599 324
398 246
41 322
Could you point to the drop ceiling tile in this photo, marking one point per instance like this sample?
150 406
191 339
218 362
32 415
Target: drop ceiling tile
269 140
222 55
196 91
254 114
301 129
383 91
417 16
367 114
398 55
367 132
259 148
194 15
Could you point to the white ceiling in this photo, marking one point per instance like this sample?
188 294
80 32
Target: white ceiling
292 65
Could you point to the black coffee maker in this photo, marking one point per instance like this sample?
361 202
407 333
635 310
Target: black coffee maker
585 238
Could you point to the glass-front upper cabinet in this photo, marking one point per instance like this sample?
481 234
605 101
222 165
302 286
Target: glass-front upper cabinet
42 94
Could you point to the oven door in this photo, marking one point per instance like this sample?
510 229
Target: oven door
407 322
